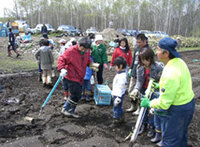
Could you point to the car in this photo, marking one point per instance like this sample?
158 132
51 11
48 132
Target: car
123 32
133 32
161 34
39 27
71 31
91 30
79 32
148 33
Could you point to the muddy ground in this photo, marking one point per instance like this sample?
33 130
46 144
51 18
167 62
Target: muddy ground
22 95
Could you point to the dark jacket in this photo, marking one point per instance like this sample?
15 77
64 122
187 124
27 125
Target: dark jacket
44 30
135 61
74 63
11 38
155 71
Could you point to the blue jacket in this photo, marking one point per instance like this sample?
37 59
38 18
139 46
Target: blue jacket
88 73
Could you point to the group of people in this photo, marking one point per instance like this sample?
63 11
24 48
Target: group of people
173 103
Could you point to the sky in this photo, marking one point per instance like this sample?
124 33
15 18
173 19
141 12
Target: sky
5 4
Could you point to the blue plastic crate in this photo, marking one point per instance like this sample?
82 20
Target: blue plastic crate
102 95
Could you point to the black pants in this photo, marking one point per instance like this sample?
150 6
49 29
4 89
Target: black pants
100 74
75 90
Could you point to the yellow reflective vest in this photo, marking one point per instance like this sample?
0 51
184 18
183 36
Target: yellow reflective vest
175 85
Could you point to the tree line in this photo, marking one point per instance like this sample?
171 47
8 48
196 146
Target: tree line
171 16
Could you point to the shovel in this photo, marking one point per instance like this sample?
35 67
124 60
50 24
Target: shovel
48 97
141 115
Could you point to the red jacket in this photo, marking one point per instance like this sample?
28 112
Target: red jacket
74 63
119 53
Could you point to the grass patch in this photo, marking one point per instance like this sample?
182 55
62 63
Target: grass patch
13 64
188 49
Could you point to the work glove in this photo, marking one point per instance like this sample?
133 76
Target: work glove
105 65
156 85
117 101
129 73
110 68
145 102
63 73
94 66
134 94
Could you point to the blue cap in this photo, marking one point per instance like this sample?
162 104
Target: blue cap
170 45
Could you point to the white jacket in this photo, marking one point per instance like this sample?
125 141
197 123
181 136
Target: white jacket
119 84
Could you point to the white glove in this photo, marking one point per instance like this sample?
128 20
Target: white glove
63 72
117 101
110 68
134 94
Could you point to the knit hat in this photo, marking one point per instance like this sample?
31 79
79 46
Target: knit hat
170 45
98 37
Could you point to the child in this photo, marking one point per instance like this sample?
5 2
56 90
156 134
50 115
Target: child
118 90
99 55
86 87
123 51
62 43
46 58
11 43
146 69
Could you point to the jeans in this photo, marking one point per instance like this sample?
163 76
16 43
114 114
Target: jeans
176 124
86 85
118 111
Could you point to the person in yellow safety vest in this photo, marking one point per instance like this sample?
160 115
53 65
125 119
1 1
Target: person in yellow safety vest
176 95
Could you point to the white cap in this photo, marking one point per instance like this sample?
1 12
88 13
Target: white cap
98 37
62 41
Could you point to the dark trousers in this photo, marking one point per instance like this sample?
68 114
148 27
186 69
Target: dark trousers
100 74
176 124
13 48
75 90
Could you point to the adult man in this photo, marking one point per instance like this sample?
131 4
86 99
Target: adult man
44 31
72 64
176 95
11 43
141 41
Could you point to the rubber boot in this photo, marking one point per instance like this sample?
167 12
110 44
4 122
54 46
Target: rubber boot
72 111
137 111
151 132
160 143
142 129
44 81
130 109
157 137
40 77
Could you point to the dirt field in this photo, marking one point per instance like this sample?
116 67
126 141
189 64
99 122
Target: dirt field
22 95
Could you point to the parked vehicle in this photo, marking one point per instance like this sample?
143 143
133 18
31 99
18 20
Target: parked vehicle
71 31
123 32
133 32
161 34
91 30
39 27
79 31
149 34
